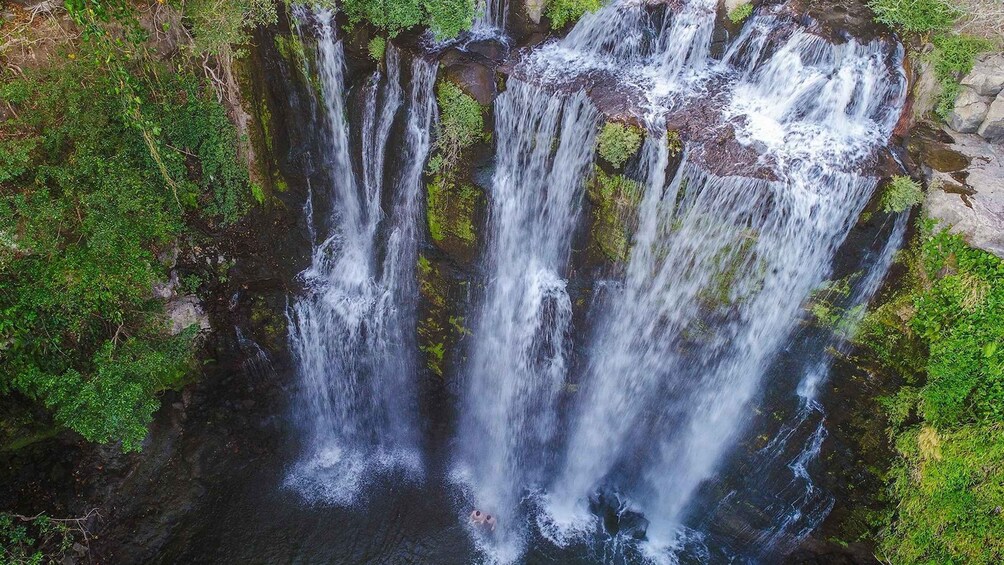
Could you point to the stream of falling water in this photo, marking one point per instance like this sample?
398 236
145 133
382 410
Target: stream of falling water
491 17
722 259
352 331
518 363
719 268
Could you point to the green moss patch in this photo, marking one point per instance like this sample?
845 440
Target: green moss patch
615 201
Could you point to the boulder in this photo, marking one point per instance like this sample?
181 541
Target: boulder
992 128
926 89
969 111
987 76
534 10
472 73
184 312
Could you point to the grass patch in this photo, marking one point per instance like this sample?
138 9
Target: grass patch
901 194
915 16
953 58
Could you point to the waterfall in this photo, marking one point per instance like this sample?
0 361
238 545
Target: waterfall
720 264
351 332
800 506
731 238
490 20
656 58
518 363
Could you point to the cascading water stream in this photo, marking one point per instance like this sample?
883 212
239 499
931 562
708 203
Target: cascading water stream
518 362
491 17
723 256
801 505
351 333
719 264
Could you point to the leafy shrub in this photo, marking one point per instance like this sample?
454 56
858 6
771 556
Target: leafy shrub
37 539
915 16
447 18
461 124
740 13
901 194
563 12
218 24
376 48
618 142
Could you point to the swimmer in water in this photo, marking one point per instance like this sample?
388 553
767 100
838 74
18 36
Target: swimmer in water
490 522
477 517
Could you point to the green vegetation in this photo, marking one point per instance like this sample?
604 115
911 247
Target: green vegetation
674 143
943 333
953 57
915 16
564 12
953 53
216 25
451 201
376 48
901 194
740 13
615 200
461 125
37 540
431 333
450 210
619 142
446 18
731 263
106 156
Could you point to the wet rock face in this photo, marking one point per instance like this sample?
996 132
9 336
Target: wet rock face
839 20
472 72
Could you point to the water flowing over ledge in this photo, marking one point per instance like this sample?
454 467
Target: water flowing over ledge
780 128
352 332
779 133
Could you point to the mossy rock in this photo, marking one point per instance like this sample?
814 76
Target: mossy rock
268 325
614 201
451 213
440 324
